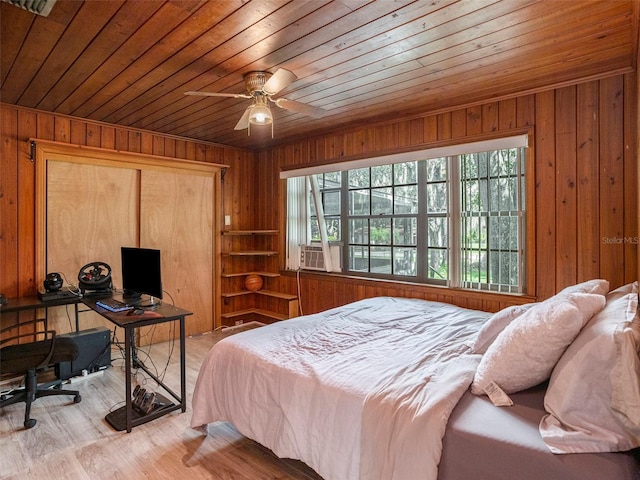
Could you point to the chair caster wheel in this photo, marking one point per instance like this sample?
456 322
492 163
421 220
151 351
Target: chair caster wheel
30 423
77 399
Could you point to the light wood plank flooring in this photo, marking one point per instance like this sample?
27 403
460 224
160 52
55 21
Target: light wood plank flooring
73 441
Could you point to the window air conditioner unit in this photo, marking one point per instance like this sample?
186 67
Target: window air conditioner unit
312 258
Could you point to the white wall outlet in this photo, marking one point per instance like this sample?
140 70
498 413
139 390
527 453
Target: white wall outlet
227 220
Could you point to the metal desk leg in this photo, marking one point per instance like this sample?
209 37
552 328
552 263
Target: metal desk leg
183 375
127 361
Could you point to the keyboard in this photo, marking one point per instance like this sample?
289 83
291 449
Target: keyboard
113 305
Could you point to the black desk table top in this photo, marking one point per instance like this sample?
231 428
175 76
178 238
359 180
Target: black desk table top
18 304
163 312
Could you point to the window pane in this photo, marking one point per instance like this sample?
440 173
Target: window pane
437 232
381 175
359 178
404 261
315 230
404 173
380 231
436 169
504 193
405 231
503 268
503 233
359 259
436 197
333 229
312 206
437 267
331 202
381 201
381 259
359 231
406 199
359 202
332 179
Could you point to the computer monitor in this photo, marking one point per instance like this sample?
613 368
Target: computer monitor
141 273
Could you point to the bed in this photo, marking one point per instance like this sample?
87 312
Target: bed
380 389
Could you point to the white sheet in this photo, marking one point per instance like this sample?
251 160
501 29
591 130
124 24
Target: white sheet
362 391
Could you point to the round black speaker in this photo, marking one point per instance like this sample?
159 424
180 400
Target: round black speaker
52 282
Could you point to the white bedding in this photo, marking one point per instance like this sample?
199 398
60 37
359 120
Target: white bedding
361 392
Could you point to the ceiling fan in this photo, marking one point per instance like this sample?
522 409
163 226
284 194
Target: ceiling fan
261 86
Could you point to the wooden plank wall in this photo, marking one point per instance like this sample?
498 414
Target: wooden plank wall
17 178
586 207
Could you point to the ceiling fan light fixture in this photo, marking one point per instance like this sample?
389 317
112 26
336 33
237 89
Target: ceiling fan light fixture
260 115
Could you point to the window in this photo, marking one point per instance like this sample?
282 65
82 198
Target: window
454 220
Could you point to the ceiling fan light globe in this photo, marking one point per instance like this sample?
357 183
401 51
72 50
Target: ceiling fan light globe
260 115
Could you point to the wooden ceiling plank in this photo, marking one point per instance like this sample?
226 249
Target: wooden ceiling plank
87 23
442 18
243 48
491 75
41 39
175 53
14 27
146 48
98 50
589 39
495 83
485 35
336 27
497 13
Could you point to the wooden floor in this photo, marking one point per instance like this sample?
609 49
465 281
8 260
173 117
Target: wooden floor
73 441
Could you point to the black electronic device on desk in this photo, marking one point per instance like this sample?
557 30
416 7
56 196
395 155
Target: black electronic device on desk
94 279
141 274
52 289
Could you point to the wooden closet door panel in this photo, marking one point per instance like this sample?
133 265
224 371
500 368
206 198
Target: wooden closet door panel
91 211
176 216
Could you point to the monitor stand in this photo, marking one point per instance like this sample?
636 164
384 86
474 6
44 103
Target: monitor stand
131 295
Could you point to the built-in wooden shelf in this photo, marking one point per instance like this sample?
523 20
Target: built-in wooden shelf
250 253
236 293
250 232
255 311
242 274
244 257
269 293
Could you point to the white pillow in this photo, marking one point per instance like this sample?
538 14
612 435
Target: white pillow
598 286
526 351
496 323
492 328
593 398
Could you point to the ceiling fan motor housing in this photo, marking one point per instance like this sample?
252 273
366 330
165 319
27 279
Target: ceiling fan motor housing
254 81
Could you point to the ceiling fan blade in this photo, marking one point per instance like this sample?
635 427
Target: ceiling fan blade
244 120
279 80
298 107
212 94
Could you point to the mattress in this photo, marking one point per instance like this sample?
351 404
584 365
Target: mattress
485 442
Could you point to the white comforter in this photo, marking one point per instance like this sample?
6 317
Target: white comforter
359 392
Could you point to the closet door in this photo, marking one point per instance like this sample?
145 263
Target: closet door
91 210
91 202
176 217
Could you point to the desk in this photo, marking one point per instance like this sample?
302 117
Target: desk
22 304
126 417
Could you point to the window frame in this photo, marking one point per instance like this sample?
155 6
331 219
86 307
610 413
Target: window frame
526 255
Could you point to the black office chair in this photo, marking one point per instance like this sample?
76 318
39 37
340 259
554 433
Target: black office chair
29 359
